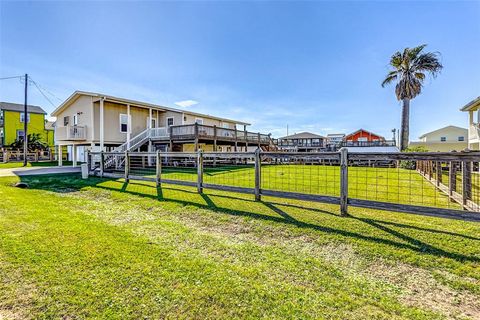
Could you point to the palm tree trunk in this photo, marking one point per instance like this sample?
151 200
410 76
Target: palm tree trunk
405 129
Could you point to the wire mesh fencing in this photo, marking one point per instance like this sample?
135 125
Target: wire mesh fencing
441 184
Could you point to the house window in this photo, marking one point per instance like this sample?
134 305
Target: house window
443 139
225 125
66 120
20 135
170 122
123 123
75 119
199 120
22 117
461 138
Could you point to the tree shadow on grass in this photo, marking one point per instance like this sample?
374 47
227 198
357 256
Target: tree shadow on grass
57 184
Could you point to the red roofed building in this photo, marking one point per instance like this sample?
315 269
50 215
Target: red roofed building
363 135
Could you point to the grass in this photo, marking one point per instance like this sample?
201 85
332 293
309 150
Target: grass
100 248
10 165
381 184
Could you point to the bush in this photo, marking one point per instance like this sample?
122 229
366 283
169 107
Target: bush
408 164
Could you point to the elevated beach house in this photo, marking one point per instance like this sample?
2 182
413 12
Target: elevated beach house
473 109
302 142
95 121
445 139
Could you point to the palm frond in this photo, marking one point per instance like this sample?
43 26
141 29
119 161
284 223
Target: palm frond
391 76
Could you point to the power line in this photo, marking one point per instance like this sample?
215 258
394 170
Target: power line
43 94
47 91
13 77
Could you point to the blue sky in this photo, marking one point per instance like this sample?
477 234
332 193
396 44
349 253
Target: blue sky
316 66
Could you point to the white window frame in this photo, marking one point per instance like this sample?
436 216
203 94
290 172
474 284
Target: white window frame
128 122
75 119
22 116
20 130
199 121
173 122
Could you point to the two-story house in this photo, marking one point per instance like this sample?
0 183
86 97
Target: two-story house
302 142
95 121
445 139
473 109
12 118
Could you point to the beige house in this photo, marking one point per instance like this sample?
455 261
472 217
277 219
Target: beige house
94 121
444 139
473 109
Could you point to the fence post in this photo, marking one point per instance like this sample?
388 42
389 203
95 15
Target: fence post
466 181
200 171
102 163
344 181
89 162
258 175
127 166
452 179
438 169
158 169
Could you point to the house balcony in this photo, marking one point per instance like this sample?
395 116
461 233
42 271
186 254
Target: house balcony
384 143
71 133
213 133
474 133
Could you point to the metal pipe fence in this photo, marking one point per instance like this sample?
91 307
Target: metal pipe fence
434 184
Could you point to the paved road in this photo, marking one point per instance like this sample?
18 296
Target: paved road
29 171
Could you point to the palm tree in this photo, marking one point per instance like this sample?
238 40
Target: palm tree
410 69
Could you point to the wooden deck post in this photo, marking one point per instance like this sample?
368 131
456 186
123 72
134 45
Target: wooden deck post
258 175
466 181
344 181
258 138
196 137
158 170
200 171
236 140
102 163
127 166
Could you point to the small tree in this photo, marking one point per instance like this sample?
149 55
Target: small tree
35 143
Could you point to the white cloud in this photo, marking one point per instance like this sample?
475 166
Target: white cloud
186 103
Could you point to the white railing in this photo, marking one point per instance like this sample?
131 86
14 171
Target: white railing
159 133
76 132
474 132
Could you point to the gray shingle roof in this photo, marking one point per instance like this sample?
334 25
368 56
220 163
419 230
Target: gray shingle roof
19 107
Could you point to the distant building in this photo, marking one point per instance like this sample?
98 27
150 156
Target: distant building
444 139
363 138
335 139
12 123
473 109
303 142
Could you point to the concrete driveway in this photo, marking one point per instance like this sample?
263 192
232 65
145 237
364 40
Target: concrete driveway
30 171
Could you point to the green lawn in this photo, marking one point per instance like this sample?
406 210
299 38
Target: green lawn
382 184
10 165
100 248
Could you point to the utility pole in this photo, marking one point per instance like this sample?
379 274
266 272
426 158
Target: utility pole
25 124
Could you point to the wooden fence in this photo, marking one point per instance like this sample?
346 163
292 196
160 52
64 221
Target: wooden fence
34 156
403 182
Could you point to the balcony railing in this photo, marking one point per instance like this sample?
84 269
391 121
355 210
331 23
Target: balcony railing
474 132
71 133
200 131
383 143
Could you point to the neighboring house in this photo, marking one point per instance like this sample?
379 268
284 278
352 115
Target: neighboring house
335 139
363 138
12 123
366 141
95 121
444 139
473 109
303 141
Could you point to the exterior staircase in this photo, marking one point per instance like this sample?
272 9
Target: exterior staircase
136 142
